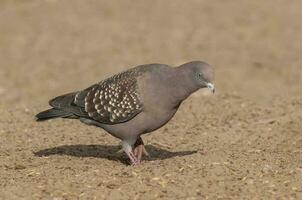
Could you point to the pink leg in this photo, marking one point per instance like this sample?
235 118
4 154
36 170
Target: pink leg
139 149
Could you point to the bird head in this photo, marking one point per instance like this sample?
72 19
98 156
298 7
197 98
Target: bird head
201 74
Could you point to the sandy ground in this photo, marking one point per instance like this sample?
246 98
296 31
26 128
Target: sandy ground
244 142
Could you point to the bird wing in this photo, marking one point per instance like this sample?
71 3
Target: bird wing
114 100
66 103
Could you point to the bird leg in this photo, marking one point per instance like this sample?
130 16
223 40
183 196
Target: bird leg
139 149
128 150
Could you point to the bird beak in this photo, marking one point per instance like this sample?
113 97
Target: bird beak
211 87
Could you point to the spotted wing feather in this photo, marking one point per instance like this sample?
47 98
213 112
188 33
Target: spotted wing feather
114 100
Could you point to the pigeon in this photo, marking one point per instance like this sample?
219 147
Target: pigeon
137 101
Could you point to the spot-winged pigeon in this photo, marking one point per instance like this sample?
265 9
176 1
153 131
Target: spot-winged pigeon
134 102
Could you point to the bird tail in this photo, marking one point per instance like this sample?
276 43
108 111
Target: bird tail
63 101
52 113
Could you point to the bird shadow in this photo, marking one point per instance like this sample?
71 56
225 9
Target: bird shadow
109 152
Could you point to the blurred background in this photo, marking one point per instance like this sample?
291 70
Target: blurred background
244 142
50 47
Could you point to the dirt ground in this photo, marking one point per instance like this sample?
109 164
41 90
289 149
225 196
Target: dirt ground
244 142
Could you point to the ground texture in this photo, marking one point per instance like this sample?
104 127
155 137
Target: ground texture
244 142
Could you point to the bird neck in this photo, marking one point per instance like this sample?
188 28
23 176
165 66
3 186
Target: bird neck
183 85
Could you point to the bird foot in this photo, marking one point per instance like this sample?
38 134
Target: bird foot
133 158
136 152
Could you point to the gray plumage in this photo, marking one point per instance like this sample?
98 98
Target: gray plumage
137 101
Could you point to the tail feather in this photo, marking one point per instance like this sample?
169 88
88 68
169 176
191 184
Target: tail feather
52 113
63 101
63 106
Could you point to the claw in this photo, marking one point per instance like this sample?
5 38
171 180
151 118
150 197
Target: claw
134 160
